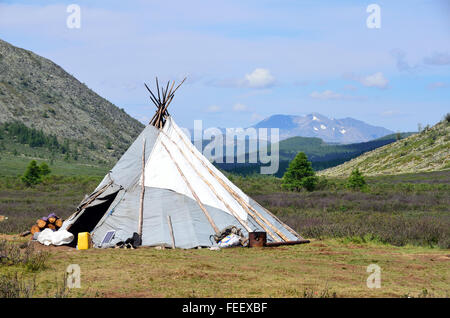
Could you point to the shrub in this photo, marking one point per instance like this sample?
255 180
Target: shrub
356 180
13 286
32 260
447 117
45 170
34 173
299 169
309 183
323 183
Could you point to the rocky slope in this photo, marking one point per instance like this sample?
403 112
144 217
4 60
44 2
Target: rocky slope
40 94
428 150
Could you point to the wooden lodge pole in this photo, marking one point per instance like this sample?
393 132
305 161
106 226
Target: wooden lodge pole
141 208
169 221
202 207
247 207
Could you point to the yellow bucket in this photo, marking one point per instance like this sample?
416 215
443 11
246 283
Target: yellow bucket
84 241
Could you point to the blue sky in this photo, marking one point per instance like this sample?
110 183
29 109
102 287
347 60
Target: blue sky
246 60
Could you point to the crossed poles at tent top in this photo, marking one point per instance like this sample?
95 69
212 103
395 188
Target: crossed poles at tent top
162 102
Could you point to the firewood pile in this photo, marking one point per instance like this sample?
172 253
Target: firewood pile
52 221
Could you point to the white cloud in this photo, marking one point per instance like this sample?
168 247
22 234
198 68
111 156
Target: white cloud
375 80
213 109
259 78
327 94
330 95
239 107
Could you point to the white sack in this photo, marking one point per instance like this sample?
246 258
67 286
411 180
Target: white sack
60 237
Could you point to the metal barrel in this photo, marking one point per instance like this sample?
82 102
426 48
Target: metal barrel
257 239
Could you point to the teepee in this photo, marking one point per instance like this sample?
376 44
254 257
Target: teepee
167 192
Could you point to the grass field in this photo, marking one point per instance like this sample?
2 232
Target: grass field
323 268
401 223
399 210
13 166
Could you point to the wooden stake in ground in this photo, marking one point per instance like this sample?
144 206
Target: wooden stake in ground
169 221
141 208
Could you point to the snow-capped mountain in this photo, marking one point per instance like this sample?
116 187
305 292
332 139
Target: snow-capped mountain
346 130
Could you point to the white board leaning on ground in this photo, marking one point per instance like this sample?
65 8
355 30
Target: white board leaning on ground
180 185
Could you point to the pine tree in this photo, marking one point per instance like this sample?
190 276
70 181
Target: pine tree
299 174
32 174
356 180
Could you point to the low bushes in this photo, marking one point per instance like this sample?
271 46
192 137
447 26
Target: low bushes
12 255
12 285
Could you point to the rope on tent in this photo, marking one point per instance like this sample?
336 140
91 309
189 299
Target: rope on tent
235 214
214 226
236 196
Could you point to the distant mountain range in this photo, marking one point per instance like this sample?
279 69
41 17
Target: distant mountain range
322 155
344 131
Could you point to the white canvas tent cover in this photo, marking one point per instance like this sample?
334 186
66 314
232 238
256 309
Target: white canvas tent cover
179 182
115 203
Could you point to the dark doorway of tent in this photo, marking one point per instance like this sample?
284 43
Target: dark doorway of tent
91 215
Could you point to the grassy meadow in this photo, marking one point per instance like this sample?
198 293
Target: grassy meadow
401 223
323 268
398 210
13 166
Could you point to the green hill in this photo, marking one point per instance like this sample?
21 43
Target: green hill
322 155
428 150
319 151
47 113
